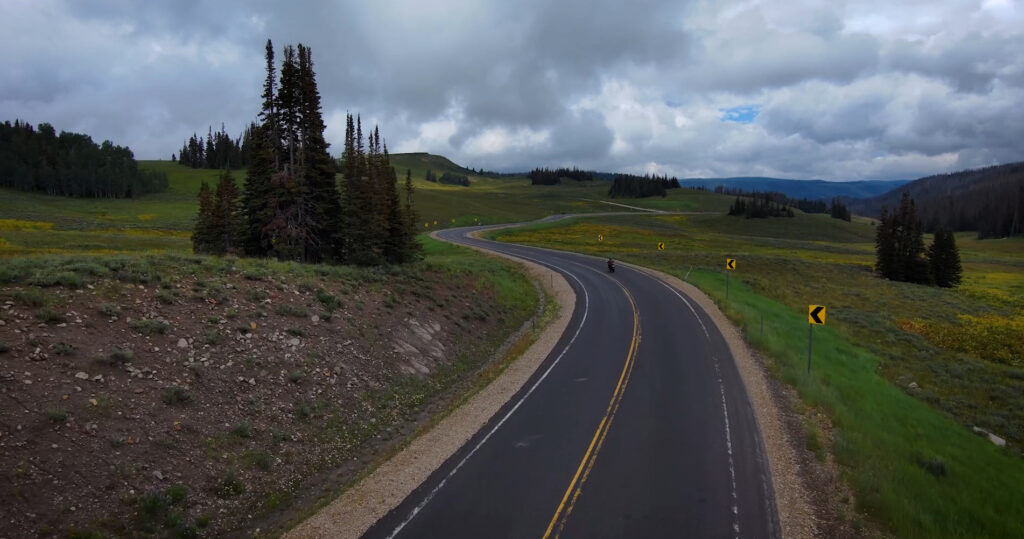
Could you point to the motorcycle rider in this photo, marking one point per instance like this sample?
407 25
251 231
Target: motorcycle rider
611 265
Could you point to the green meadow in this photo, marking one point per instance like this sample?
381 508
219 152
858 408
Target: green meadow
902 371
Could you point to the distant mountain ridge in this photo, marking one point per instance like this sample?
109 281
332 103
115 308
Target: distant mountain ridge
809 189
988 200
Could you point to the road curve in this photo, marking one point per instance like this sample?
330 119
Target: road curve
636 425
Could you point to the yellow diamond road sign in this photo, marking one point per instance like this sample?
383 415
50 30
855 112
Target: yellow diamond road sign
816 314
730 263
661 246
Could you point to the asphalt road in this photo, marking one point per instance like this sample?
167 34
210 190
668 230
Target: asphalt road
636 425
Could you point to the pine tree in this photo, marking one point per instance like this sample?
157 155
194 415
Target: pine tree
225 222
885 245
288 114
318 167
899 245
944 259
268 113
202 235
256 192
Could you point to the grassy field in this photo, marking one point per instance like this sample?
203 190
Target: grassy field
906 449
32 223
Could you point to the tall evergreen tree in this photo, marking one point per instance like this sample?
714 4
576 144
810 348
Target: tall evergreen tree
318 167
899 244
226 224
944 259
203 239
256 193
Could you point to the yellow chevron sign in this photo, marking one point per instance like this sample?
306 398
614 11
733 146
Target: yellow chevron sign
730 263
816 314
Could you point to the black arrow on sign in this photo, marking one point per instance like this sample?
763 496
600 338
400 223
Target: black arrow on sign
814 314
731 263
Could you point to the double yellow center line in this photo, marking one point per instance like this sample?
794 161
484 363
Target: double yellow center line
576 485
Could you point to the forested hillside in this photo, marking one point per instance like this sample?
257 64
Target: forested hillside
987 200
70 164
797 189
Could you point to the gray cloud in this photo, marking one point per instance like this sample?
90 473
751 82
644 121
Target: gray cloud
848 89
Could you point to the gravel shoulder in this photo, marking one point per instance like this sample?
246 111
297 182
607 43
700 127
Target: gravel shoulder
381 491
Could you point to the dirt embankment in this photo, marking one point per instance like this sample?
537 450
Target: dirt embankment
207 399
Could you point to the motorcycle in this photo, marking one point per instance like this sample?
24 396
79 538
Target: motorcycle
611 266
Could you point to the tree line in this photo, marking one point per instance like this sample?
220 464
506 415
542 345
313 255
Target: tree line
544 176
759 206
449 178
70 164
291 206
900 254
219 151
776 204
633 186
989 201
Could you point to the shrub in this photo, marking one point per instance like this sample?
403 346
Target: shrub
63 348
260 459
296 332
229 486
291 310
213 337
176 396
4 347
242 430
329 301
149 326
116 358
57 415
109 309
165 297
32 297
50 316
257 295
296 376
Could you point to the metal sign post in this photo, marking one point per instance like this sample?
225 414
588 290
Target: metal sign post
815 317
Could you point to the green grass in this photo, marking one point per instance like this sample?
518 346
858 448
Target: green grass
162 222
912 466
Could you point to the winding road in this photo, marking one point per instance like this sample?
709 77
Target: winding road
636 425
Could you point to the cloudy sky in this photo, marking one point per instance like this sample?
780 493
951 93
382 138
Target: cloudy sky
831 89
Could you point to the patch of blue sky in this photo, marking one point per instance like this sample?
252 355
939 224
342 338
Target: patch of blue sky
743 114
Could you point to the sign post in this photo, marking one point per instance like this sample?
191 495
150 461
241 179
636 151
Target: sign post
815 317
730 265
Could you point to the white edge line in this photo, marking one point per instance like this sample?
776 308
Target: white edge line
728 446
694 311
586 309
